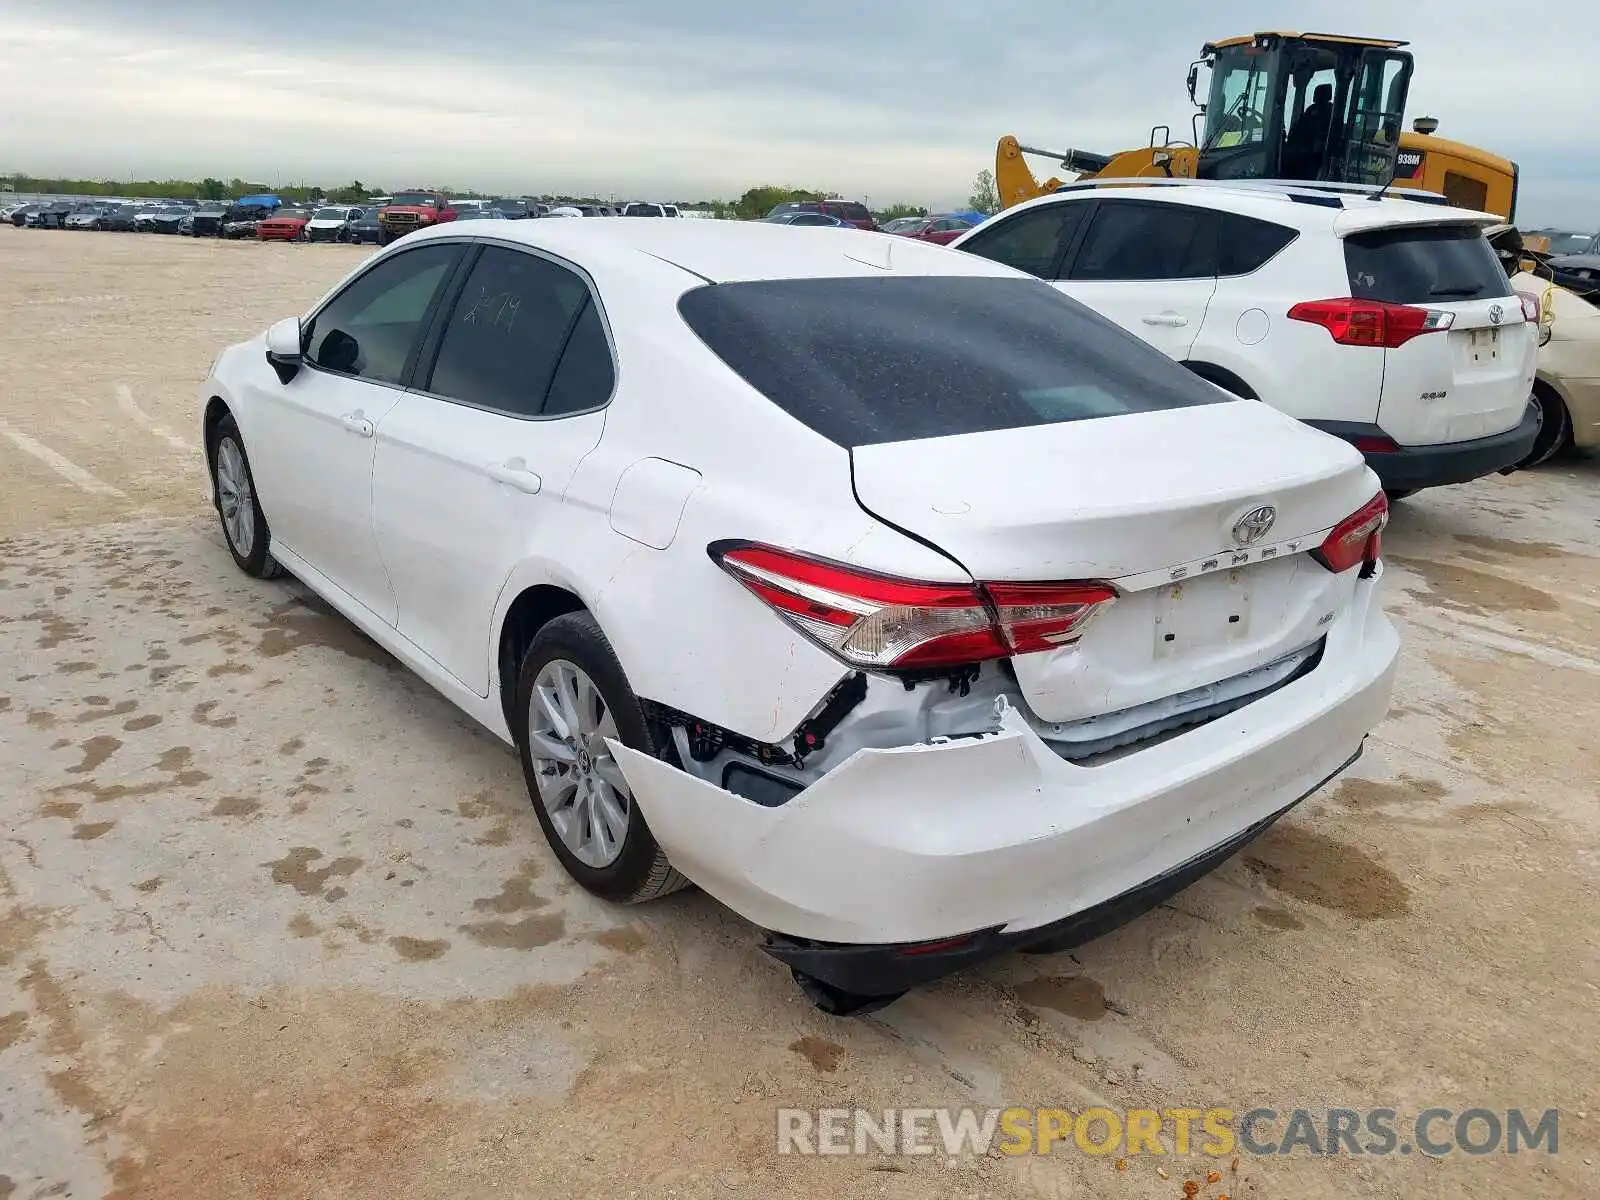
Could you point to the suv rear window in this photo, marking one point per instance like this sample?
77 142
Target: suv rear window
1431 264
847 210
862 361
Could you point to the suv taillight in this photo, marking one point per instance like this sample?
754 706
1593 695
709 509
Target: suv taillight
1355 322
1356 540
885 623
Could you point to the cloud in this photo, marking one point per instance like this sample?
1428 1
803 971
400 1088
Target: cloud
893 100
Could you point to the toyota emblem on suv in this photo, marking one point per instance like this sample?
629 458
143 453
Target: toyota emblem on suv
1496 314
1253 526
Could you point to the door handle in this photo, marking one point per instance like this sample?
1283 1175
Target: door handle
356 423
1171 320
514 472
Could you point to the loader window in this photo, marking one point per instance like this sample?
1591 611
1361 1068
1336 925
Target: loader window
862 361
1031 241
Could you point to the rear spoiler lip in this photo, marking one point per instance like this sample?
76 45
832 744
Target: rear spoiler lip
1352 221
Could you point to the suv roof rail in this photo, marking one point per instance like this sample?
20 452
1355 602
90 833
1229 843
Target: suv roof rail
1290 188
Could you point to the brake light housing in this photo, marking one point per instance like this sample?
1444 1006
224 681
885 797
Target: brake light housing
1357 540
884 623
1353 322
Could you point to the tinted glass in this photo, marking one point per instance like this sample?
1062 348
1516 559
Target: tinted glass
416 200
1129 240
1412 265
885 360
368 329
585 376
1244 243
1031 241
506 331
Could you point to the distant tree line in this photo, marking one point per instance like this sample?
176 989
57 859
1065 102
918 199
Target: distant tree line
753 204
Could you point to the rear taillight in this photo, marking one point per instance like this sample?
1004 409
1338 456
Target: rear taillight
1371 323
882 622
1356 540
1374 444
1532 307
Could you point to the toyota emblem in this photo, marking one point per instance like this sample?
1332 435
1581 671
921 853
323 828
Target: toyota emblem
1496 314
1254 525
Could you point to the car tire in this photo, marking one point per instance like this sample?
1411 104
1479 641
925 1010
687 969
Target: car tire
568 667
1555 427
233 490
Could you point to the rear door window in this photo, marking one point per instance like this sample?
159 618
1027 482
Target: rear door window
1134 240
1437 264
1031 241
862 361
507 331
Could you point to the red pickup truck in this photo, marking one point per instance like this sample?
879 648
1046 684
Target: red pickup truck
407 212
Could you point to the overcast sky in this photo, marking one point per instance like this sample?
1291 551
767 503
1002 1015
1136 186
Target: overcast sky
683 99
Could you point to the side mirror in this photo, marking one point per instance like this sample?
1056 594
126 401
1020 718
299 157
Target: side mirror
285 351
1194 79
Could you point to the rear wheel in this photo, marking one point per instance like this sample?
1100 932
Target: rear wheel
572 695
1555 427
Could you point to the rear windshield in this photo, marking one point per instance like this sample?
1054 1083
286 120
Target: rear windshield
862 361
1433 264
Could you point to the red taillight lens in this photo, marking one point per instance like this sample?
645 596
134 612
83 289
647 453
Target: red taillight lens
1374 444
1354 322
1531 305
1042 616
1356 540
878 621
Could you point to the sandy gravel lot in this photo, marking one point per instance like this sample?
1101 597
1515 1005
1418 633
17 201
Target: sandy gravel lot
275 921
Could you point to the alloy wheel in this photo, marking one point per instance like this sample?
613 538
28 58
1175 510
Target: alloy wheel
235 497
580 784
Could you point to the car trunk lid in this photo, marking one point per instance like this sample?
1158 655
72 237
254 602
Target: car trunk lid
1170 507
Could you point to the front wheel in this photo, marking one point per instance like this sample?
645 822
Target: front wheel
244 525
571 696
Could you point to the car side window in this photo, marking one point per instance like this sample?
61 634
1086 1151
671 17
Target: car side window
585 376
1245 243
1131 240
1030 241
368 329
506 332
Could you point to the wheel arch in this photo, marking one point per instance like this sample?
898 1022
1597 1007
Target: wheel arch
1222 377
215 412
530 610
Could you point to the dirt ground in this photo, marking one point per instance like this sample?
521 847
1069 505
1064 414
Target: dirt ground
276 921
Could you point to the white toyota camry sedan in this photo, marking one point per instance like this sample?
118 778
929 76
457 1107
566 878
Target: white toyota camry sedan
903 604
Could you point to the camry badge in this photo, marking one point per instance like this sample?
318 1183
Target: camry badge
1254 525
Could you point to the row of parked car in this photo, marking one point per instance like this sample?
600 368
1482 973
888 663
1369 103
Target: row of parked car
266 217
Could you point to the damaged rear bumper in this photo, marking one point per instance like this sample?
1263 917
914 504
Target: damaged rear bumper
997 837
888 970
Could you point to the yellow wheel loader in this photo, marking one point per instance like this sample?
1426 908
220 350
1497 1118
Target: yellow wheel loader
1307 106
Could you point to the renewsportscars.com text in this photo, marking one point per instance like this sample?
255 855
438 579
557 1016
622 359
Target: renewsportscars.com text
1126 1133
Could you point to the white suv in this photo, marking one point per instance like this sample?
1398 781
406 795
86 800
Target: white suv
1387 322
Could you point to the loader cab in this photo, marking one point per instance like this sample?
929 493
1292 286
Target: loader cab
1292 106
